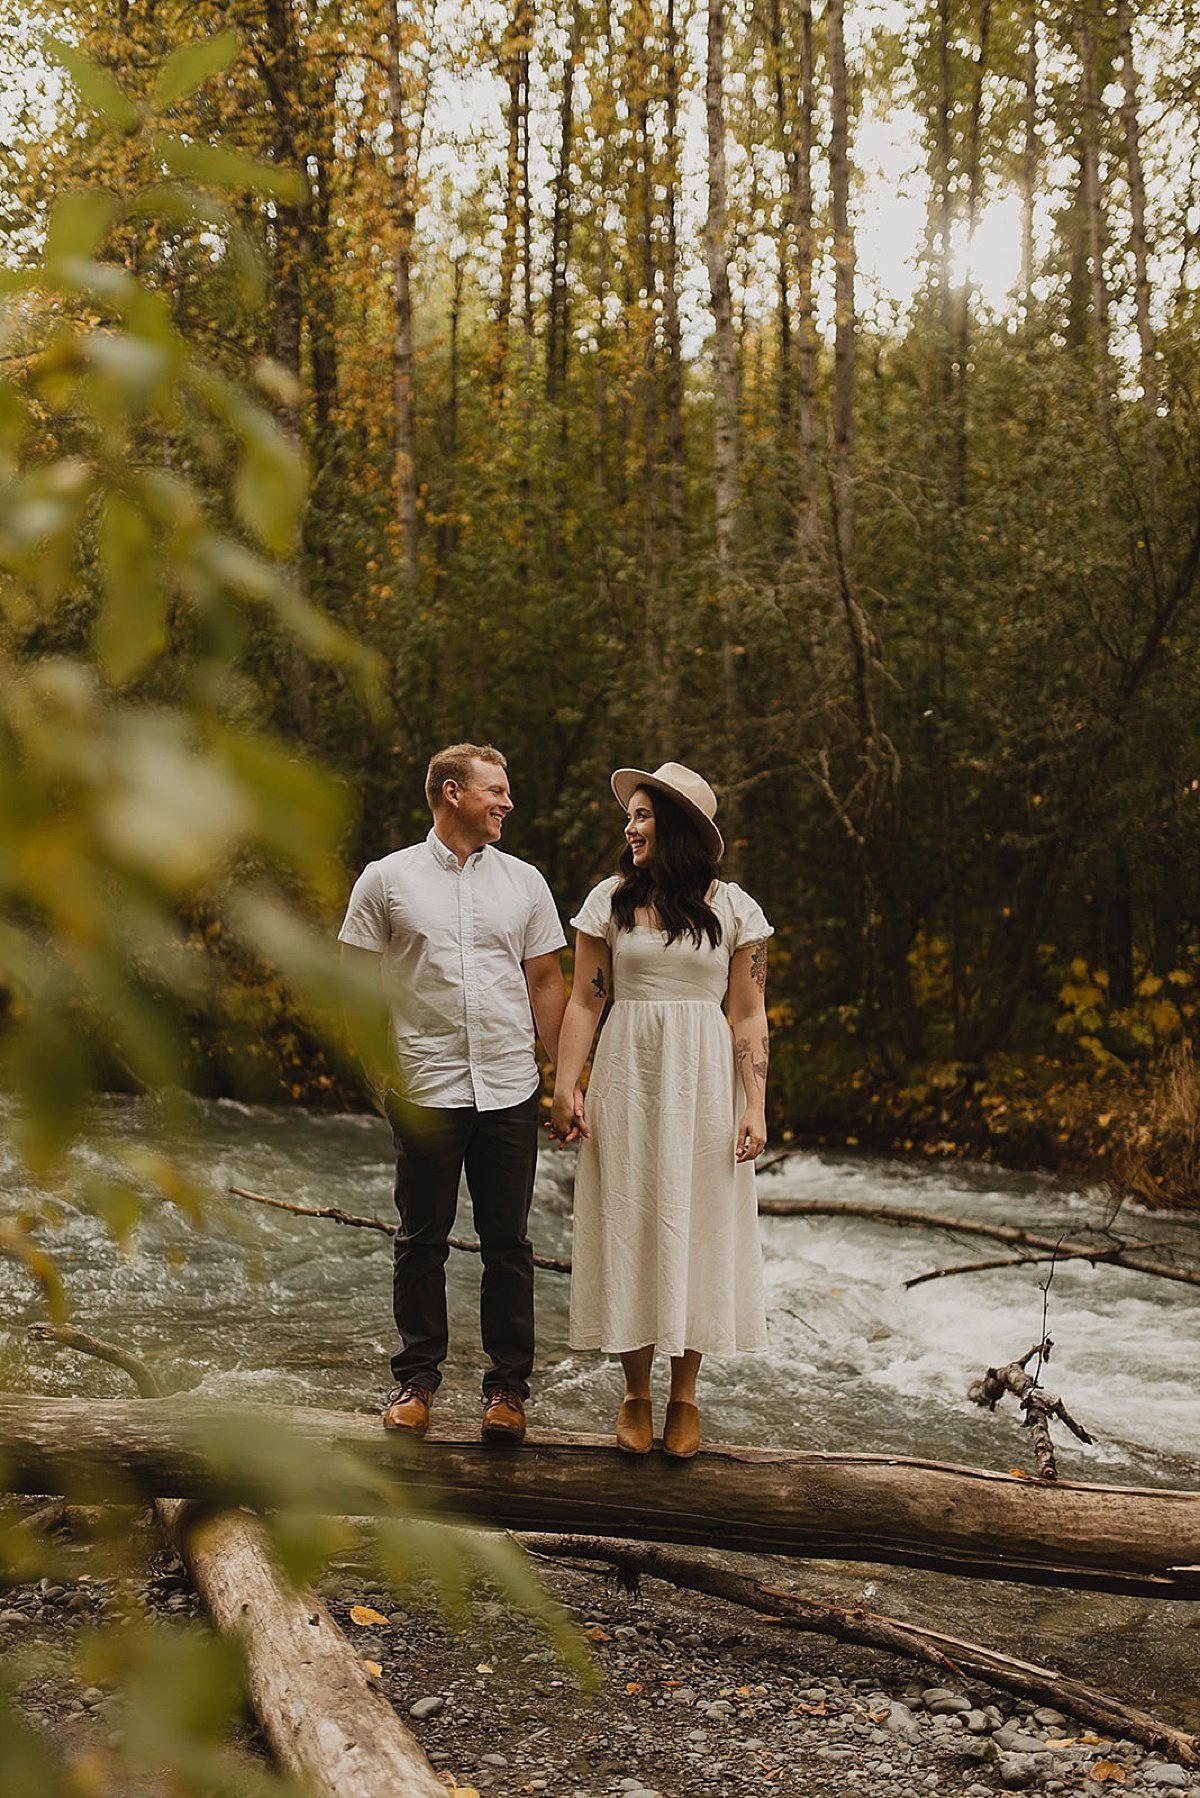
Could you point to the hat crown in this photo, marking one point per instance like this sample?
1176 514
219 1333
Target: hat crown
689 785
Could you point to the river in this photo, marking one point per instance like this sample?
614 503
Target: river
263 1305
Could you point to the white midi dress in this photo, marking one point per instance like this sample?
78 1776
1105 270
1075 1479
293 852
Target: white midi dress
666 1246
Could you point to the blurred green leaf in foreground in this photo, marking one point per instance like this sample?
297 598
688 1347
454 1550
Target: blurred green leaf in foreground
149 506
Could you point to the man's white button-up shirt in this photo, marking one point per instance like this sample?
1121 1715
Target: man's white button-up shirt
453 941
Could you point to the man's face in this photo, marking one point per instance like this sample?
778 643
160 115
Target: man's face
484 803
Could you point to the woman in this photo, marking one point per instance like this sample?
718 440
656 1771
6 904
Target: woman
666 1252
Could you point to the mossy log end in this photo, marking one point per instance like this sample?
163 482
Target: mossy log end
960 1520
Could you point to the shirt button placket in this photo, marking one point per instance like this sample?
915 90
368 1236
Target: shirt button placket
466 923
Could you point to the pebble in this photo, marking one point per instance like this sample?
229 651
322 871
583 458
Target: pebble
1015 1741
1164 1775
427 1707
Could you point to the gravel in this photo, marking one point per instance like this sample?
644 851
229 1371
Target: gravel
690 1697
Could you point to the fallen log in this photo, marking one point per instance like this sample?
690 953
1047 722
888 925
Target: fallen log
321 1715
948 1654
883 1508
318 1710
1112 1253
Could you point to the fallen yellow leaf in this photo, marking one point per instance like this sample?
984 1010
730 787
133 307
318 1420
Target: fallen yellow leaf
633 1685
362 1614
374 1669
484 1668
597 1634
1108 1773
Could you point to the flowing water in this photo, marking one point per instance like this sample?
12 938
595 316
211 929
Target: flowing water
265 1305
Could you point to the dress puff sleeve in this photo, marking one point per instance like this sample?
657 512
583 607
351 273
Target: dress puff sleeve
594 916
747 918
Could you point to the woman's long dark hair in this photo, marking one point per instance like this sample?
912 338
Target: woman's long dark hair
675 886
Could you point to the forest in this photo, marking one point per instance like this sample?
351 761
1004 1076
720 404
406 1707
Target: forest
803 392
615 441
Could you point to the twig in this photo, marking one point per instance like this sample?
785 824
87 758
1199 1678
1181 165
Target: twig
1038 1404
950 1655
338 1216
1094 1256
1115 1255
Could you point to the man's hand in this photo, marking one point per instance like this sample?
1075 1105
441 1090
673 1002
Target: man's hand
567 1119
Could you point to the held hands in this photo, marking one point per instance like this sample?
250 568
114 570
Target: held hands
751 1137
567 1122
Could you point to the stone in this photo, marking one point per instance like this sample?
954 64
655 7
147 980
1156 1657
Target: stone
1049 1718
1016 1741
1165 1775
901 1722
1015 1771
493 1760
425 1708
949 1706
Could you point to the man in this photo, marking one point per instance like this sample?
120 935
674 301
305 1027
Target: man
467 942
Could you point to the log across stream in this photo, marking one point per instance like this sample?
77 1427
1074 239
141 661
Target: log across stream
886 1509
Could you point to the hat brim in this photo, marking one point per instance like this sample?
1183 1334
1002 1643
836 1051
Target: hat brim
626 781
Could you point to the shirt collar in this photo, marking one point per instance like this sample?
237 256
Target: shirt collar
446 857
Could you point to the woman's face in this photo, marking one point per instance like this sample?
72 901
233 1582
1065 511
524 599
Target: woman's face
639 829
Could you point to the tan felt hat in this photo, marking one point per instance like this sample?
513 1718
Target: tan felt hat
685 786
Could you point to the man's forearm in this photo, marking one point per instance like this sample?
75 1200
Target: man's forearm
549 1002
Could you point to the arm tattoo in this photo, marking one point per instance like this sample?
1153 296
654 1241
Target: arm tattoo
746 1058
599 984
758 966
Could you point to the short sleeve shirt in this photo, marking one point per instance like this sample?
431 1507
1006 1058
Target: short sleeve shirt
453 940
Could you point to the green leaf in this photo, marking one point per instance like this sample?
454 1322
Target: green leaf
131 627
219 167
79 223
188 68
96 86
268 488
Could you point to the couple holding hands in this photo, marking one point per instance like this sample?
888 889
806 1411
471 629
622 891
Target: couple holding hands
466 939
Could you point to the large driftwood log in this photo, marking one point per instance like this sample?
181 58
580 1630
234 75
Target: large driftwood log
323 1718
863 1507
1107 1249
947 1653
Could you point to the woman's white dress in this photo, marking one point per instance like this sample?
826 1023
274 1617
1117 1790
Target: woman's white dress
666 1246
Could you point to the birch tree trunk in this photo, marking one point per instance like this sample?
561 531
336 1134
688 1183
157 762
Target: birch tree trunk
843 299
513 64
962 347
1147 372
558 309
1090 192
806 330
1030 159
403 434
725 454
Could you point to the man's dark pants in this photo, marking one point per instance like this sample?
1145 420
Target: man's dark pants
498 1150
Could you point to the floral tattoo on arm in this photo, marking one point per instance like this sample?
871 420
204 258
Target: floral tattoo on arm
758 966
749 1062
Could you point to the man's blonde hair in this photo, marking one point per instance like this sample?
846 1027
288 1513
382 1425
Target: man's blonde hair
454 763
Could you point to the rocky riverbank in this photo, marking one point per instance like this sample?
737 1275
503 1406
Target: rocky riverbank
689 1697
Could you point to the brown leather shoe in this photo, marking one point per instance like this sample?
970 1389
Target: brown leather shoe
503 1415
408 1409
681 1432
635 1427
